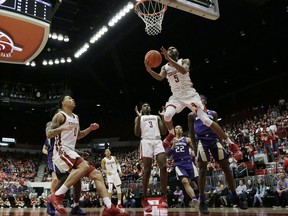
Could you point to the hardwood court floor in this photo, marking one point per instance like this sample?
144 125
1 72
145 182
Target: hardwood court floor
158 212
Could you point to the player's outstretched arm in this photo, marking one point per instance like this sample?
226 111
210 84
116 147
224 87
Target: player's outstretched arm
184 68
155 75
137 129
83 133
191 130
161 122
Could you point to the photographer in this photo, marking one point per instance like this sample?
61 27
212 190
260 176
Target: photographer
128 199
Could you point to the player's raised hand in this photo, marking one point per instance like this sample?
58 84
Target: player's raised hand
94 126
138 113
165 53
162 112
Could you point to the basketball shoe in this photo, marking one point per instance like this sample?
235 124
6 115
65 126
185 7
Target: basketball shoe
57 203
119 206
167 141
113 211
50 209
203 208
146 205
77 211
196 204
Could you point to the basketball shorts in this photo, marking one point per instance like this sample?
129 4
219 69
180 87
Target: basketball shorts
192 101
186 169
151 147
205 147
114 179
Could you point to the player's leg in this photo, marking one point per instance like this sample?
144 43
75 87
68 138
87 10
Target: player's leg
203 156
147 163
117 183
161 160
109 209
168 116
81 168
54 182
77 194
234 148
189 190
221 156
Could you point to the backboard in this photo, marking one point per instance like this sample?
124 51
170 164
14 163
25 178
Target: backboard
205 8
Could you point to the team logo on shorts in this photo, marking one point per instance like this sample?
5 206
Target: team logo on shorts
7 45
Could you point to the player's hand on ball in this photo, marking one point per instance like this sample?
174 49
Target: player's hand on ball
147 65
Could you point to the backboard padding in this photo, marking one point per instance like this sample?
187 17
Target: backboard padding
205 8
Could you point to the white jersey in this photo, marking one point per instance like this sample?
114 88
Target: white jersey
64 154
111 165
179 83
68 138
150 127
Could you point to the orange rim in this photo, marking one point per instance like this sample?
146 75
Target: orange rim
144 14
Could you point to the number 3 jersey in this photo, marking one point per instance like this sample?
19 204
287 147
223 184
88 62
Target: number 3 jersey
149 127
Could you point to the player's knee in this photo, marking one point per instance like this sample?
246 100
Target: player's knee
184 181
168 117
207 121
147 171
110 188
118 189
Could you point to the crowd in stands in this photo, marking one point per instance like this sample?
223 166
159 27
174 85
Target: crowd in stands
24 92
264 133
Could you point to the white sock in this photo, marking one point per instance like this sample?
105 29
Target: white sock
75 204
62 190
107 202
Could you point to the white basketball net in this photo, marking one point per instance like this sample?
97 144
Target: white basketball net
152 13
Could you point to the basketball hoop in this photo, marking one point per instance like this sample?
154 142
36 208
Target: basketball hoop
152 13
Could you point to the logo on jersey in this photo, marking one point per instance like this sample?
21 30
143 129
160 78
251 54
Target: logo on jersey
7 45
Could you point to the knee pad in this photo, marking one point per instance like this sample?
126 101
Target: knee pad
204 117
110 187
169 113
118 189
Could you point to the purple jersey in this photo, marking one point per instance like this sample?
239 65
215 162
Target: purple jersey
181 152
50 147
208 141
182 159
202 131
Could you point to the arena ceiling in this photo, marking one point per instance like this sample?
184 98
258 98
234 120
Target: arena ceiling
238 55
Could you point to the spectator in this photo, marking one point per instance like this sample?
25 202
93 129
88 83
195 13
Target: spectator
179 194
224 196
250 191
281 193
260 192
241 190
285 163
129 199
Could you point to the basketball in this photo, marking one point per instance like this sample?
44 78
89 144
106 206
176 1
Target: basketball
154 57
